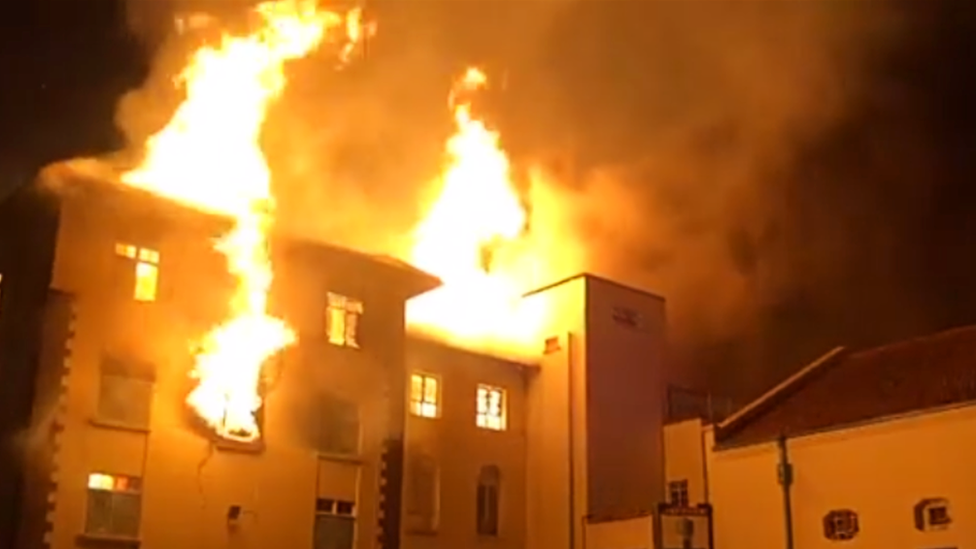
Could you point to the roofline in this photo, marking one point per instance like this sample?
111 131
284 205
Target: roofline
104 175
587 275
860 424
789 384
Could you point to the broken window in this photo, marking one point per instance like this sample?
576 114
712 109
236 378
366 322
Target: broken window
491 408
337 426
114 505
840 525
125 393
335 524
342 320
146 271
489 486
678 493
422 493
424 395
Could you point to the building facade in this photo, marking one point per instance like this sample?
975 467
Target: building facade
859 449
371 437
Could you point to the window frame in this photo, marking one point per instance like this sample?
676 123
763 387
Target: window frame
488 502
484 417
841 525
333 513
350 310
417 519
418 406
129 374
678 495
115 493
147 262
326 402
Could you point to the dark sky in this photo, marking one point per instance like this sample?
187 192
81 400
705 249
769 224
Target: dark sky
800 177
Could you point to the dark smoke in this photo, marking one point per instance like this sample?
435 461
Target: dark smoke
707 150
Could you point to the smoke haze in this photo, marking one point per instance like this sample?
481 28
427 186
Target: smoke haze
693 148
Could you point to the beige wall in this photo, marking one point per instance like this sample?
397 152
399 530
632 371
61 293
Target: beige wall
881 471
188 484
685 457
460 448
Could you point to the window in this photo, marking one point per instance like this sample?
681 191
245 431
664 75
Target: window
147 270
337 426
840 525
114 505
678 493
342 320
932 514
489 485
491 408
335 524
125 393
424 395
422 494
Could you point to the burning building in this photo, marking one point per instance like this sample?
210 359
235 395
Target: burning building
365 435
177 373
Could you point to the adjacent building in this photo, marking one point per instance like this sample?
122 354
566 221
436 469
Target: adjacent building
371 437
872 448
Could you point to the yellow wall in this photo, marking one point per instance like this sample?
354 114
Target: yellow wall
188 484
460 448
881 471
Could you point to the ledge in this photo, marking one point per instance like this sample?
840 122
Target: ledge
118 426
225 445
107 540
340 458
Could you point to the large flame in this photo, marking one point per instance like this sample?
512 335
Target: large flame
477 218
209 156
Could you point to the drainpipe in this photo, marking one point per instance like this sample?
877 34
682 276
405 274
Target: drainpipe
785 474
570 356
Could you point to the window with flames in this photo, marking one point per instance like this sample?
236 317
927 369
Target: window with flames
342 320
146 270
424 395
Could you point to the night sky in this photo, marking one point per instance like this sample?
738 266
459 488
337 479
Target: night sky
799 177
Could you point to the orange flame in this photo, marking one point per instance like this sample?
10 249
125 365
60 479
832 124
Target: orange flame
477 218
209 156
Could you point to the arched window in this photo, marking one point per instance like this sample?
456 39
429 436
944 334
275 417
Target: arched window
489 485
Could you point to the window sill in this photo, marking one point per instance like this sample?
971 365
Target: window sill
104 540
340 458
225 445
118 425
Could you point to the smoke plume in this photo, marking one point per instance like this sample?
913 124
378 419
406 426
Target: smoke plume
687 147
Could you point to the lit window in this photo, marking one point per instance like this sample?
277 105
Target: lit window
342 320
678 493
423 395
114 505
489 486
840 525
491 408
335 524
147 270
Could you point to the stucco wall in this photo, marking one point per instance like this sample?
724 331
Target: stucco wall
880 471
188 483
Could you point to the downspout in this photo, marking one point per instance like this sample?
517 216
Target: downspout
571 440
785 477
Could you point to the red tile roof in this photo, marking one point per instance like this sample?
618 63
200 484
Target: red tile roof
845 388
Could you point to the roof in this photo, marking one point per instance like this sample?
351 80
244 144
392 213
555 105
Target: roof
98 176
843 389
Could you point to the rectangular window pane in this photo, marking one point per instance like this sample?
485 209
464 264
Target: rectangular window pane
338 426
336 326
126 400
490 408
114 505
334 532
147 278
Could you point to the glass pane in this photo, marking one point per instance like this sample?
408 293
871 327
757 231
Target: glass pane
336 326
352 329
147 276
124 400
126 510
334 532
98 517
430 389
416 388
